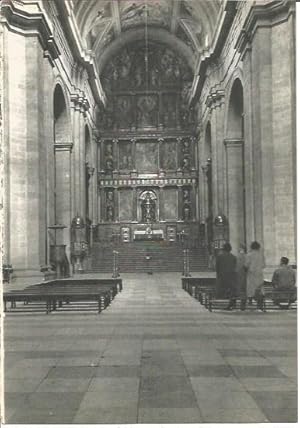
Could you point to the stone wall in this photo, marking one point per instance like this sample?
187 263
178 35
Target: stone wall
259 51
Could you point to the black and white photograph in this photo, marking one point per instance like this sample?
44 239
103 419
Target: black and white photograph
148 212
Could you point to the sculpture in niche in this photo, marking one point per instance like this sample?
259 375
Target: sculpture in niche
186 211
148 206
147 114
139 76
154 76
186 162
109 164
110 205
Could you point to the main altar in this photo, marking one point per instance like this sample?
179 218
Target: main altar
147 151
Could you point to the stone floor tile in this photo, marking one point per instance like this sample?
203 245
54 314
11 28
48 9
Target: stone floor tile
225 384
257 371
247 361
281 415
69 372
21 373
40 416
172 399
233 352
108 415
268 384
218 399
24 385
233 416
276 399
64 385
118 371
115 386
209 371
58 401
169 415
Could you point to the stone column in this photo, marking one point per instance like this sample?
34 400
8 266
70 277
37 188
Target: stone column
235 191
101 207
134 213
63 212
216 105
25 114
180 205
133 153
161 204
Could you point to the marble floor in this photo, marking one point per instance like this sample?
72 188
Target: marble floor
154 356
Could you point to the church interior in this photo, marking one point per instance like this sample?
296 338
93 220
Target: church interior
137 138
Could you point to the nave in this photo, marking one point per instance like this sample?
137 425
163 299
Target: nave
154 356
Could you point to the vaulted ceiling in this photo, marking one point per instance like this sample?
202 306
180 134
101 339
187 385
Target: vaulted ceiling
107 25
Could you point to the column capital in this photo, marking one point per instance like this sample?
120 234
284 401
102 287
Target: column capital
63 146
233 142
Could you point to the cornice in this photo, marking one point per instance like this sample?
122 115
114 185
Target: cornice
209 55
263 15
80 102
215 98
33 22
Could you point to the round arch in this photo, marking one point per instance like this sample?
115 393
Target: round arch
155 35
61 115
235 162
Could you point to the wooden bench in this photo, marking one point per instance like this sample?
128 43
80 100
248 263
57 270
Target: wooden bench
286 298
55 293
199 288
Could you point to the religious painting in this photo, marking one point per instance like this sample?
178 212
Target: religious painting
170 204
168 155
147 111
125 204
169 111
123 112
147 157
125 157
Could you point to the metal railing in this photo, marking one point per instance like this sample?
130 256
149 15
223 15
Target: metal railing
116 273
186 263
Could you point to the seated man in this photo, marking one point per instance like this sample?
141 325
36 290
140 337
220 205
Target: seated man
283 281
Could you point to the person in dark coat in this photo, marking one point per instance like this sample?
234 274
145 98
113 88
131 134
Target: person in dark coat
226 276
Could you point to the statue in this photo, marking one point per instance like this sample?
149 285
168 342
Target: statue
186 212
148 208
110 205
185 164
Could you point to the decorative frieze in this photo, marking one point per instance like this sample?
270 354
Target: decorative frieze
147 182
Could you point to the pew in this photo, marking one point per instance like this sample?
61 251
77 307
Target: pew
54 294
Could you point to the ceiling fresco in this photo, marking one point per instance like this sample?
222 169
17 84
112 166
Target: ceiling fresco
103 22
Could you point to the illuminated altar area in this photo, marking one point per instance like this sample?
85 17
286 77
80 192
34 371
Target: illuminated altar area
147 169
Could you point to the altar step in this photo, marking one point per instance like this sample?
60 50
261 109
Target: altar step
164 257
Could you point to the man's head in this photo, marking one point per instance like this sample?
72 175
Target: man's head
284 261
227 247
